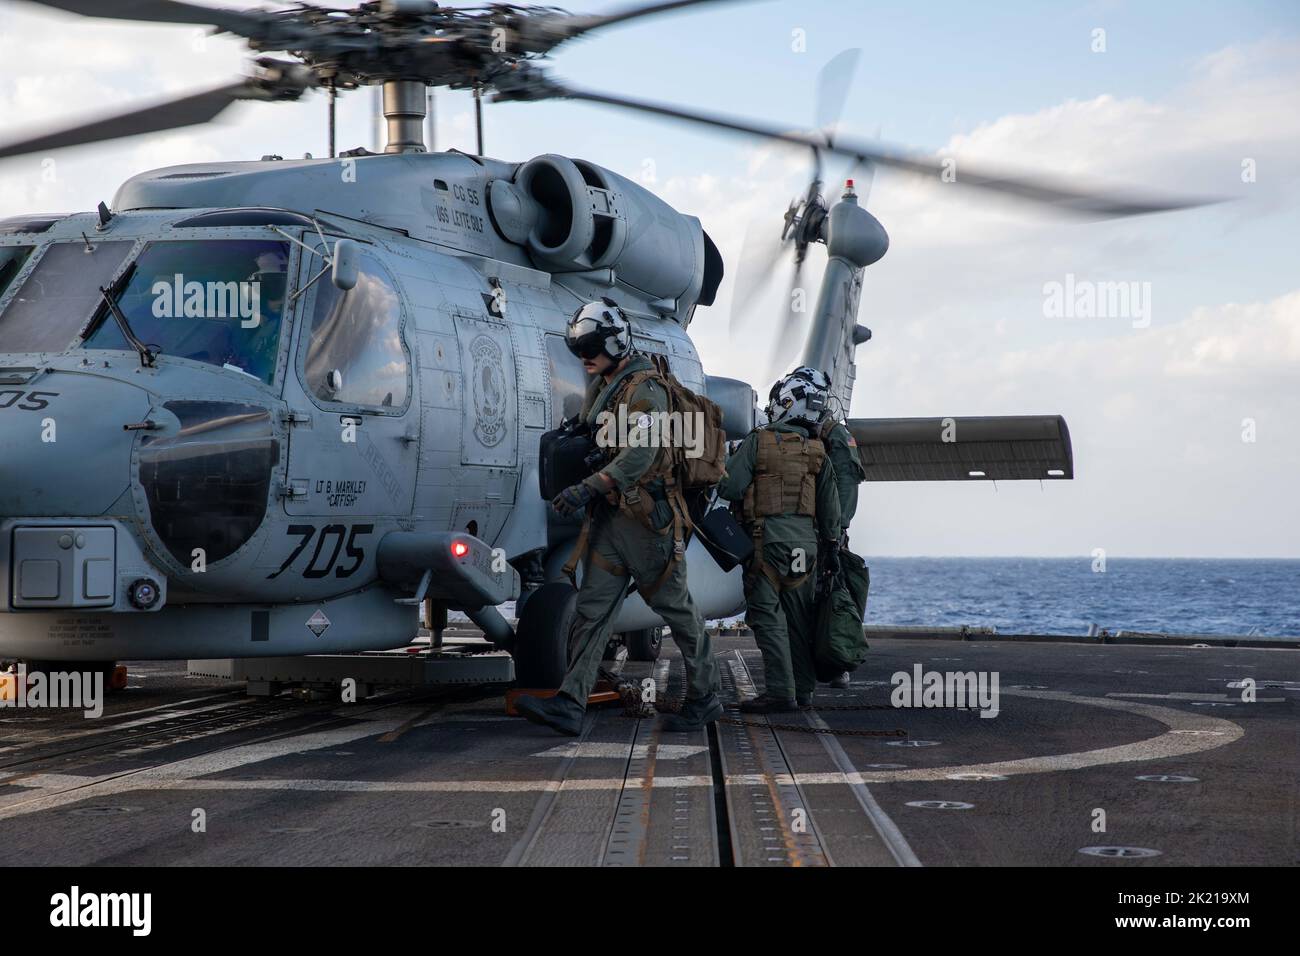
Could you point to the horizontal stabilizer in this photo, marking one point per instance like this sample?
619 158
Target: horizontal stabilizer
994 448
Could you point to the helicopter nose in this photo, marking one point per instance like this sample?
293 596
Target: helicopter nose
63 448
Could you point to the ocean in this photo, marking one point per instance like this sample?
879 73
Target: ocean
1065 595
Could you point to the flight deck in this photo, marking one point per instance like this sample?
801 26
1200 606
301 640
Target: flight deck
1102 755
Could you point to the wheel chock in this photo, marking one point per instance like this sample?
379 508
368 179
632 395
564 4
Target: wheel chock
117 679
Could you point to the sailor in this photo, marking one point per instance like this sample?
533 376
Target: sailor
785 491
633 531
842 450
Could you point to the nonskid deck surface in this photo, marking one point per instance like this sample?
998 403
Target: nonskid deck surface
1155 744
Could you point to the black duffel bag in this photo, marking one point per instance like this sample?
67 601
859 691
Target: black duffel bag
724 538
566 455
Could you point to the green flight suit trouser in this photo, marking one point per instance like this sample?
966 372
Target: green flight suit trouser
623 541
784 622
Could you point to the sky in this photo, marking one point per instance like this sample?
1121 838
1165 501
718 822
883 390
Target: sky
1184 413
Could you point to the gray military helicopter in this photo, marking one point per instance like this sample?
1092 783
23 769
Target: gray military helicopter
270 408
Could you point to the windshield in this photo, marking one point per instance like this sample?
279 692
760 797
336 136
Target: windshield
215 301
52 306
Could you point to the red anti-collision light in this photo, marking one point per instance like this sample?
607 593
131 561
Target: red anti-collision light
459 549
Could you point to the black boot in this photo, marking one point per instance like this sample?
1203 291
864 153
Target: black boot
763 704
804 700
695 715
841 682
561 712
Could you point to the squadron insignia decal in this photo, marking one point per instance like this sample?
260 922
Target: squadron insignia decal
489 383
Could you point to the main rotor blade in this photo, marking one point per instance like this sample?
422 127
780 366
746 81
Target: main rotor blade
186 111
560 27
1067 199
245 23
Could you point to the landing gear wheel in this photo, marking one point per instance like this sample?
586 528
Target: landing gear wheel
542 639
644 645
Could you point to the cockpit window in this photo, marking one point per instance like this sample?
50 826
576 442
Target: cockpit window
216 301
355 354
52 306
11 261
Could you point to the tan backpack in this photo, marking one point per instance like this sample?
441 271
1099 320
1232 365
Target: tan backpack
705 470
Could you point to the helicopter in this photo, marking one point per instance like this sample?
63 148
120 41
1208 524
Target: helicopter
272 407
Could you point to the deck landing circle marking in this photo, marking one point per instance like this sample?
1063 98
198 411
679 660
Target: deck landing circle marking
1187 732
103 811
941 805
1167 778
913 743
1119 852
447 824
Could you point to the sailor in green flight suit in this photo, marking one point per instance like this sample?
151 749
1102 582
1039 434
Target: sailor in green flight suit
788 501
843 452
634 529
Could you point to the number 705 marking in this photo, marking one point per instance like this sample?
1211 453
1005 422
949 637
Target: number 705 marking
336 531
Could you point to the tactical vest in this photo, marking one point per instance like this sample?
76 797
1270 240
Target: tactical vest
785 476
785 483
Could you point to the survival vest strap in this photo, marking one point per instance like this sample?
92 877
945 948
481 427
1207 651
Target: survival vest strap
758 565
785 482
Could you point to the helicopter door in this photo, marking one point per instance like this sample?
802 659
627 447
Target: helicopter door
354 432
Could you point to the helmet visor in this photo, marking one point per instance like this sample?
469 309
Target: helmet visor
587 345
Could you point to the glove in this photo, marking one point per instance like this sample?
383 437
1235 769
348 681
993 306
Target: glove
573 498
830 555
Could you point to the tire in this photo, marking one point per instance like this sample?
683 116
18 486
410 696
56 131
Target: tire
542 639
644 645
